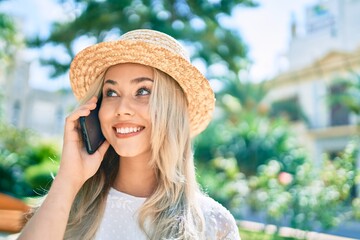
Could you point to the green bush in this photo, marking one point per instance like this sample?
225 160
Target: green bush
11 180
297 197
289 109
310 198
222 179
269 192
254 141
27 163
40 176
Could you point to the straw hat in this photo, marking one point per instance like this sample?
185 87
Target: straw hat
155 49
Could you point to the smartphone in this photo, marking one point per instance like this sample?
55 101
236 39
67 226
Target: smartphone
91 130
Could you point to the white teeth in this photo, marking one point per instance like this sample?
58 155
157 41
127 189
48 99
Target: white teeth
128 130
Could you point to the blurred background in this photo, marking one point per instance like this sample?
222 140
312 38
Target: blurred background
282 152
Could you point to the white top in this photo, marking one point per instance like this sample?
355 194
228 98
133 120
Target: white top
121 211
120 217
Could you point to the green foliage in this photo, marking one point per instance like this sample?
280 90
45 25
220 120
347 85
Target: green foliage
14 140
208 142
304 196
26 163
238 99
253 142
44 164
13 144
356 208
281 181
257 140
289 109
223 174
198 22
9 40
253 235
307 197
40 176
350 96
241 130
269 192
11 181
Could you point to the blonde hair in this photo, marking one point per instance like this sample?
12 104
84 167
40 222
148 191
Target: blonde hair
172 211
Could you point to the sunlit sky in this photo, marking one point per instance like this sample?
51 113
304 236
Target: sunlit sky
265 29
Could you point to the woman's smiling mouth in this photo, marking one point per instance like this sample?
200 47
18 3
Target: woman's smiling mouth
126 130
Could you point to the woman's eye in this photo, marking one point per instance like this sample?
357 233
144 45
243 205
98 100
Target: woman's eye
143 92
111 93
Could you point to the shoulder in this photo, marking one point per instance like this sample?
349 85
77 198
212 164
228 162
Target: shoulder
218 220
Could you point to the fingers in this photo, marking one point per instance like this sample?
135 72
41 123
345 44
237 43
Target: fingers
81 111
103 148
97 157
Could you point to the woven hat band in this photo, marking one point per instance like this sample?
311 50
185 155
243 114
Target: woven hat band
160 39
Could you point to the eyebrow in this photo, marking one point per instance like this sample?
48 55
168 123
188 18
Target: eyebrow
135 80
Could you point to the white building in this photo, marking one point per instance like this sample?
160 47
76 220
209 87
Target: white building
39 110
330 25
328 51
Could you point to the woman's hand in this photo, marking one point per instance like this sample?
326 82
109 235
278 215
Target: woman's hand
76 164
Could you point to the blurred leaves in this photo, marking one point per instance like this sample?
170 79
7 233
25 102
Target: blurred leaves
254 141
277 177
10 40
197 22
310 198
288 108
238 96
349 96
221 173
26 163
267 192
242 130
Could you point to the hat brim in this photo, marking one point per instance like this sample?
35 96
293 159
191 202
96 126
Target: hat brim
93 61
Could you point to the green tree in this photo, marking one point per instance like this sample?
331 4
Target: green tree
256 140
242 130
238 96
288 108
10 40
349 96
238 118
198 22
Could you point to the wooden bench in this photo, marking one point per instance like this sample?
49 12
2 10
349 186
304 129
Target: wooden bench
12 214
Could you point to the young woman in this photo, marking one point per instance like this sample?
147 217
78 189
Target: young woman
140 184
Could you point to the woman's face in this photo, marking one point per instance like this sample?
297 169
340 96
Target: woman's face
124 113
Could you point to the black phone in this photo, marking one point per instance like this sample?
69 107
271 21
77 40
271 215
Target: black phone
91 130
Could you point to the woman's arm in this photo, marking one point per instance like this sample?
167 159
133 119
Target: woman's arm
49 222
76 166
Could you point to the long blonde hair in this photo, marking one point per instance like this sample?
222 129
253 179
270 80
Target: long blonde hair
172 211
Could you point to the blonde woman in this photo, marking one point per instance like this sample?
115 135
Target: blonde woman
140 183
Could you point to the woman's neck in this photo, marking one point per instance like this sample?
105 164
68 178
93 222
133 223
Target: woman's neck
135 177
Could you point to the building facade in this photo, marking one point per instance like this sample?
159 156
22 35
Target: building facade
39 110
330 25
327 52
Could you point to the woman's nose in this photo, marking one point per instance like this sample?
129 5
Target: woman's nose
125 107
